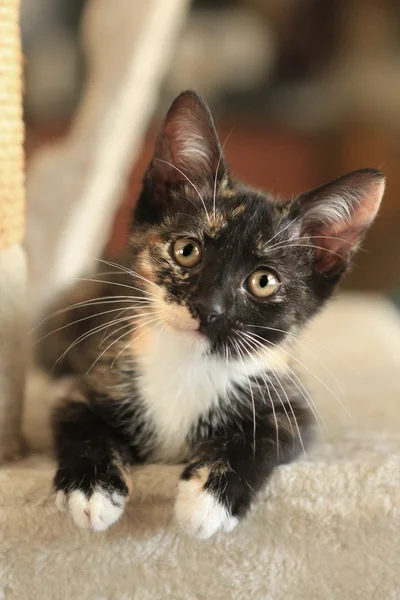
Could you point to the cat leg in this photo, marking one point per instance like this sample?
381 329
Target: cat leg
217 489
91 481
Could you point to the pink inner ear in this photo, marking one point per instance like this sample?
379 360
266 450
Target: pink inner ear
338 238
366 210
333 245
187 147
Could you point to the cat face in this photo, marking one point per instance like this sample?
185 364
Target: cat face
229 266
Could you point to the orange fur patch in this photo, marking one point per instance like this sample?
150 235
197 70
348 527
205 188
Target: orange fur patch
217 221
140 337
154 238
179 317
238 210
145 268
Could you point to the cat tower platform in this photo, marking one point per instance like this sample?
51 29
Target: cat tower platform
327 526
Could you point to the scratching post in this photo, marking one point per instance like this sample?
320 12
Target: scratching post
12 258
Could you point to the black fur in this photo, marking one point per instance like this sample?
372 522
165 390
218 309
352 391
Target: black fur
102 451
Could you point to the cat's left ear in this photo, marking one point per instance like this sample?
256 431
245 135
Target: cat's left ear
336 216
187 148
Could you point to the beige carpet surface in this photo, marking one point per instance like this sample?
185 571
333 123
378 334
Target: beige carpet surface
327 527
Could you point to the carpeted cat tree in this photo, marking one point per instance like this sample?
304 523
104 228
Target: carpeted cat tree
325 528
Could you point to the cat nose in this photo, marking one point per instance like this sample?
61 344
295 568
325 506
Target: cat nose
209 308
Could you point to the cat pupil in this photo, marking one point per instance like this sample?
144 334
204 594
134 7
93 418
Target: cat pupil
187 250
263 281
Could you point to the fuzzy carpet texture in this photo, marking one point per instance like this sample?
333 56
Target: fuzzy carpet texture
325 528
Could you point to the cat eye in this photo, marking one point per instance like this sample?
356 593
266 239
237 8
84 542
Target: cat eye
186 252
262 283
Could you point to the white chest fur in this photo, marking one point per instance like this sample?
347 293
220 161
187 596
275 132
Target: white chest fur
179 382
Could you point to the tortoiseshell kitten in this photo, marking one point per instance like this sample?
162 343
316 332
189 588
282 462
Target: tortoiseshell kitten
184 356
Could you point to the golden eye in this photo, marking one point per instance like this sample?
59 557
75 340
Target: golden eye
187 252
262 283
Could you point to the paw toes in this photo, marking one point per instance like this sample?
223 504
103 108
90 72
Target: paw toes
78 506
105 509
199 513
97 511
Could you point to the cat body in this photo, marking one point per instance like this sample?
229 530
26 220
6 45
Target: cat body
180 351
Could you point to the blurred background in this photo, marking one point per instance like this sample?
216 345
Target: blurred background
306 90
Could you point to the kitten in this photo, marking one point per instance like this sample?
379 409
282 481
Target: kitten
183 354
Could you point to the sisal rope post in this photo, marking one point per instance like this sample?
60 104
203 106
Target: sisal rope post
12 258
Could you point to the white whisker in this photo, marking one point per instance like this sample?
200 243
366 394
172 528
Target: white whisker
304 392
312 373
291 410
324 367
307 238
292 222
156 319
271 383
91 302
284 246
130 272
217 169
130 287
87 334
106 312
120 337
251 394
135 318
295 335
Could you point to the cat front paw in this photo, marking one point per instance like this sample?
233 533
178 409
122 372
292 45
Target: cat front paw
199 512
96 505
96 511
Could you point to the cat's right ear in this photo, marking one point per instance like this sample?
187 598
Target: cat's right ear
335 217
187 150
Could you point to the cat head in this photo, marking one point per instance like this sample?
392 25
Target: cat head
227 265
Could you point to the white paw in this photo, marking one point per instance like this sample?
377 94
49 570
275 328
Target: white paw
97 512
199 513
